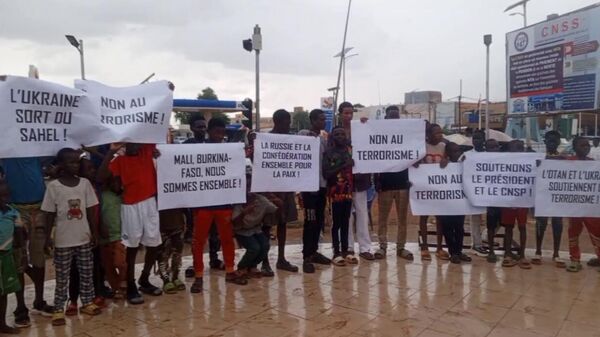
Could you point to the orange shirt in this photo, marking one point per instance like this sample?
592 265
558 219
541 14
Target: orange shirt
137 173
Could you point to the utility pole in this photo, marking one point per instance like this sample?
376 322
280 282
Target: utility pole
342 59
459 108
487 40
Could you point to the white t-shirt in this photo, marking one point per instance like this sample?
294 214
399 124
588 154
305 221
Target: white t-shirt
69 204
595 153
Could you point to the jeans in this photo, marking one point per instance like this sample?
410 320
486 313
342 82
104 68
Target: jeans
257 250
341 222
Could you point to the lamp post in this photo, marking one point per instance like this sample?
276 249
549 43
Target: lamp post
487 40
344 56
78 44
255 43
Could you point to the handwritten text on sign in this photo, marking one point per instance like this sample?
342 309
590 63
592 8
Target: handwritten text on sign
568 188
133 114
436 190
39 118
500 179
199 175
390 145
285 163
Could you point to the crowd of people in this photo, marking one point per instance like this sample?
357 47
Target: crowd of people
94 208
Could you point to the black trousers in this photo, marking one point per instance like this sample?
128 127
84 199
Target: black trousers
493 218
341 222
314 220
453 227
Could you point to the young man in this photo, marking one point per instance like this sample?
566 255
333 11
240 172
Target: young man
595 150
393 190
204 217
476 219
135 173
314 202
581 146
25 181
493 213
198 127
288 212
552 141
362 182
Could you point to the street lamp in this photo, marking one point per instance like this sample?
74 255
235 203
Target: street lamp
344 56
255 43
78 44
487 40
524 14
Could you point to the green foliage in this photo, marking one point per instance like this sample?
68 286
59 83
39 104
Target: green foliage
300 120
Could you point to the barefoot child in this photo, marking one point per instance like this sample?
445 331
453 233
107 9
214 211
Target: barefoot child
69 201
12 234
453 226
337 169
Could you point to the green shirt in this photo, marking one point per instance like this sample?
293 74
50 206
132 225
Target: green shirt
111 216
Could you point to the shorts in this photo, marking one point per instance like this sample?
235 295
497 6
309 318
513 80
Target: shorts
34 223
289 213
140 224
510 215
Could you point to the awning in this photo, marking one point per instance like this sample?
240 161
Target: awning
207 105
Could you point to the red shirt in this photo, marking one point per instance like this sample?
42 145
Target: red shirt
137 173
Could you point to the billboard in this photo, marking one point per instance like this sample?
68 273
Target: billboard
327 107
553 65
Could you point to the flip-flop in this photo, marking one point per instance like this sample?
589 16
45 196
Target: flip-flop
509 262
58 318
574 267
442 255
405 254
91 309
559 263
351 259
339 261
425 255
524 264
537 260
379 254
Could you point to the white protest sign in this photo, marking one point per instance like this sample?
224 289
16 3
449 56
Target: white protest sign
389 145
39 118
200 175
285 163
500 179
568 188
137 114
439 191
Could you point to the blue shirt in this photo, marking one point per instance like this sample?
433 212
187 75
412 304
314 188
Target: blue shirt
8 221
25 179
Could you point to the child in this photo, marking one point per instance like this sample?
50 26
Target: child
70 201
172 226
221 215
436 150
476 219
248 221
136 174
552 140
508 217
582 149
493 213
112 250
337 169
12 234
454 225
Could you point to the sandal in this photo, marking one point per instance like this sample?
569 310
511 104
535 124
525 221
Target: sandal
72 309
442 255
351 259
509 262
91 309
169 288
196 286
179 285
559 263
380 254
285 265
58 318
339 261
594 262
236 278
367 256
405 254
425 255
524 264
574 266
537 259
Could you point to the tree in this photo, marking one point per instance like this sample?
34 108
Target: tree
207 93
300 120
358 106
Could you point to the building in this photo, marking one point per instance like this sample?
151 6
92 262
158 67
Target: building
422 97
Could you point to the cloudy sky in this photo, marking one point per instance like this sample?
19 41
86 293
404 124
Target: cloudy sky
402 45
